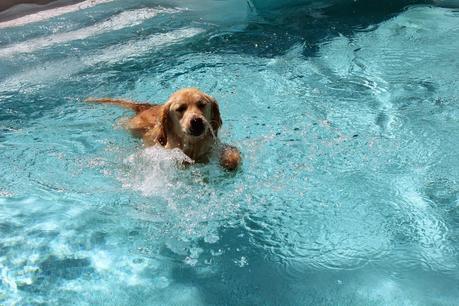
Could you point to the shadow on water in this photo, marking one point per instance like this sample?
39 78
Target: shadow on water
233 271
242 274
272 33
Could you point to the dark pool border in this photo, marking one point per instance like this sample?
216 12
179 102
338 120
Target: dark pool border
11 9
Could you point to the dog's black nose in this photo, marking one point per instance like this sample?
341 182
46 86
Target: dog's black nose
196 126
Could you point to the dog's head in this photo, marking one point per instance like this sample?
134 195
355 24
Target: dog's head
189 113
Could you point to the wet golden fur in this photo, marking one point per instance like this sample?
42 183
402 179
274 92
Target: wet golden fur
171 125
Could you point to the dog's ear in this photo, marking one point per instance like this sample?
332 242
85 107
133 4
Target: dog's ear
163 125
216 121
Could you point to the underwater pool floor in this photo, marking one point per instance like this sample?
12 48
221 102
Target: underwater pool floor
348 126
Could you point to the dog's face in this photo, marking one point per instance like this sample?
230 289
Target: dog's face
193 114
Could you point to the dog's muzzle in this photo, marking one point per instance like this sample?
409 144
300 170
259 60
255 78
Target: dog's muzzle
197 126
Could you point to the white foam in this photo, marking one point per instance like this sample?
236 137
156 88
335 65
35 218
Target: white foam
47 14
151 169
118 22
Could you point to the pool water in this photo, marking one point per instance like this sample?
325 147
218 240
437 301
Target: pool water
346 114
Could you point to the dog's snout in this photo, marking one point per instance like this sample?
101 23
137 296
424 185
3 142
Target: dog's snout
196 126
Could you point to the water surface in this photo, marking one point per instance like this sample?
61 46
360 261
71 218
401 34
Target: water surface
347 119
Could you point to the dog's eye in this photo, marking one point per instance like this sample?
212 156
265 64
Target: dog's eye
181 108
202 104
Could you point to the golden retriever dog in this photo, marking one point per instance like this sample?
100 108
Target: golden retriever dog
188 120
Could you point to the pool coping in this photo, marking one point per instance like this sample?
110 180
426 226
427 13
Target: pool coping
14 9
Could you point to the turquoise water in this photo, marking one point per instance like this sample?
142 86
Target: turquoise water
347 118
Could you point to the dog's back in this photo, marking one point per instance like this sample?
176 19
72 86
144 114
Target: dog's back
137 107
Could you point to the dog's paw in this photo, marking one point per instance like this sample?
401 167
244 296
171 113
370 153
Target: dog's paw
230 158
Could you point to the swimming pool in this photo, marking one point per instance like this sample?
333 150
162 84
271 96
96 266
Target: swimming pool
347 118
